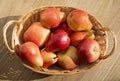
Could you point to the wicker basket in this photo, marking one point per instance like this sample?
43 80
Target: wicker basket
24 22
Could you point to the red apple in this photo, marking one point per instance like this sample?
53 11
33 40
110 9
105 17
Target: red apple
50 17
78 20
30 53
88 50
64 27
68 58
49 58
59 40
76 37
36 33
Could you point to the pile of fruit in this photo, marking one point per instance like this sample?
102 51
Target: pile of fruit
59 38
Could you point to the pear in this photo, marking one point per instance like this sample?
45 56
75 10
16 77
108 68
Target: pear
36 33
50 17
30 53
49 58
78 20
68 58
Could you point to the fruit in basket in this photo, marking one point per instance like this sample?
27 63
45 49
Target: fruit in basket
88 50
50 17
30 53
59 40
36 33
99 31
68 58
76 37
64 26
49 58
79 20
62 16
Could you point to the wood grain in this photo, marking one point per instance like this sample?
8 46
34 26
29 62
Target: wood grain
106 11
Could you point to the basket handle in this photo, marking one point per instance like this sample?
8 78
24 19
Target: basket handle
5 28
103 56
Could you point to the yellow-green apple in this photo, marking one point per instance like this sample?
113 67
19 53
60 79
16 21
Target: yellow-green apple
88 50
77 36
36 33
64 26
30 53
79 20
68 59
49 58
50 17
59 40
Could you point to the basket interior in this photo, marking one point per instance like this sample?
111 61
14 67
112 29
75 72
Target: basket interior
33 16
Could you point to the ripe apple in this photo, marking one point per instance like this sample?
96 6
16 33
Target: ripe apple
68 58
50 17
78 20
89 50
36 33
64 26
76 37
30 53
49 58
59 40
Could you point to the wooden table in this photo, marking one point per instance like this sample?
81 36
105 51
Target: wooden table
106 11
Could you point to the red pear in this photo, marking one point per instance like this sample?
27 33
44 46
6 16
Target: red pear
30 53
50 17
78 20
49 58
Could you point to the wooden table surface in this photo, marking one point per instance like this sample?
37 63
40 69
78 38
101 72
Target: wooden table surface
106 11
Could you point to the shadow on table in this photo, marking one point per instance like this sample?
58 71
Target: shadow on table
10 67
